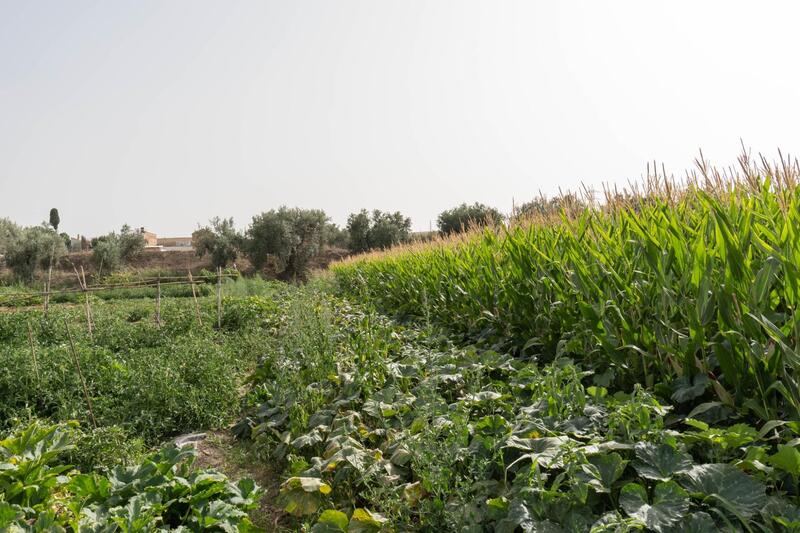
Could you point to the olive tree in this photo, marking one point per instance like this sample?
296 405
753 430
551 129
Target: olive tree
131 243
112 250
292 236
465 216
377 230
106 253
335 236
8 232
32 248
358 225
220 240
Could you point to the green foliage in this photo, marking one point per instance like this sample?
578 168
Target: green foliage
336 237
377 230
382 427
106 253
131 243
163 492
151 382
8 233
291 236
241 313
465 216
104 447
55 220
691 300
220 240
110 251
32 248
703 286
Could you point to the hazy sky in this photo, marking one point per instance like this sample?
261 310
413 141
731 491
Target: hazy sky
166 113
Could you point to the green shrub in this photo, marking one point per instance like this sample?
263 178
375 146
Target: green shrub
40 493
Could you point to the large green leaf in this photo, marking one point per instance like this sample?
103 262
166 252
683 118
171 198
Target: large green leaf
604 470
331 521
545 451
727 486
787 458
9 514
670 503
660 462
783 512
520 517
687 388
699 522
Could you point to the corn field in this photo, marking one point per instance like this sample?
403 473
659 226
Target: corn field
690 281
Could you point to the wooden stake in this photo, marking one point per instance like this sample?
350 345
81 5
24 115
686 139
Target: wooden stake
158 302
80 373
49 276
219 297
196 303
89 320
33 356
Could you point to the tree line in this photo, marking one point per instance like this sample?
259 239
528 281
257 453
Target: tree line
26 250
286 239
290 238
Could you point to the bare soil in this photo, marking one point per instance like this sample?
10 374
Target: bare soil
219 450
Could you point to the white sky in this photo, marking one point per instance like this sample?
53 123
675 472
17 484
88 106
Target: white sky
166 113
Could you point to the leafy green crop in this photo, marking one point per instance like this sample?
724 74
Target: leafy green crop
150 382
164 492
373 419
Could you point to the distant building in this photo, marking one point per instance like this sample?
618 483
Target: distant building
154 242
150 238
175 242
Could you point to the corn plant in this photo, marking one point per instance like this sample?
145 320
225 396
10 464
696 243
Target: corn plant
668 287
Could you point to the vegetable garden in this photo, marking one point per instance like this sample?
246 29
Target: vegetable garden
85 415
625 368
649 370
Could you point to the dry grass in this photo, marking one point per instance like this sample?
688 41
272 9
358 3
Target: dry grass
748 176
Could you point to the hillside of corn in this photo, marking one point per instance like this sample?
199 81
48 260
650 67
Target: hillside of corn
630 366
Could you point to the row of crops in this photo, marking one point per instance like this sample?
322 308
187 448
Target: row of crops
381 427
703 289
162 492
87 416
630 368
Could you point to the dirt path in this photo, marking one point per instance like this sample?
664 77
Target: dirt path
219 450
